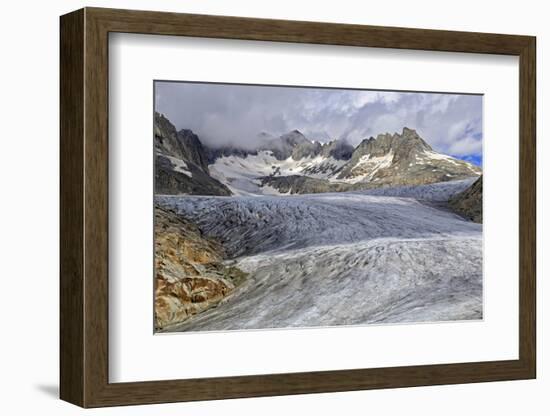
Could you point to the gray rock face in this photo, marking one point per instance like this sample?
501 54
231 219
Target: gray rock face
307 149
298 184
184 145
338 149
170 181
364 148
166 140
218 152
408 145
403 159
293 144
435 194
181 162
441 192
469 203
192 149
388 160
283 147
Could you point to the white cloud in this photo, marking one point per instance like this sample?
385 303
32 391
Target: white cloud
235 114
466 146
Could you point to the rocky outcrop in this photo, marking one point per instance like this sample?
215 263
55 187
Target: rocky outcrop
192 149
298 184
174 178
292 144
225 151
338 149
292 163
183 144
165 134
181 162
469 203
402 159
390 160
190 274
306 149
282 147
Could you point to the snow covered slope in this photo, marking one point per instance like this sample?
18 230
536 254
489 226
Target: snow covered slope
339 258
288 164
242 174
293 163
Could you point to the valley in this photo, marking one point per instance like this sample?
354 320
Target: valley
339 259
297 233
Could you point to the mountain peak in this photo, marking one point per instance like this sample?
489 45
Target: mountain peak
181 162
283 146
186 132
293 135
337 149
364 142
398 159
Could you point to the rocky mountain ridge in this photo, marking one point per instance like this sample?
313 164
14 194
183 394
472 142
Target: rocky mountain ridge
469 203
403 159
292 163
181 162
293 144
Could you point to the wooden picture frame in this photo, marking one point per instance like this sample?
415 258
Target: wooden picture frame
84 207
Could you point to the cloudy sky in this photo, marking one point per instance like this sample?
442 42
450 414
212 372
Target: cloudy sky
222 114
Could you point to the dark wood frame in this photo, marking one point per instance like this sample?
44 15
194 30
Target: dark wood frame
84 208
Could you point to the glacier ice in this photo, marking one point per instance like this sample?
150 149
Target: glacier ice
351 258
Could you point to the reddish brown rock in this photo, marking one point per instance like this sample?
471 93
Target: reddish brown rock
190 274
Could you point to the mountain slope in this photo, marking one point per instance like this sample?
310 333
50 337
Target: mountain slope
293 144
430 193
293 164
189 274
181 162
470 201
402 159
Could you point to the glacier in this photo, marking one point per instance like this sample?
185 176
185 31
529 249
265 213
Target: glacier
353 258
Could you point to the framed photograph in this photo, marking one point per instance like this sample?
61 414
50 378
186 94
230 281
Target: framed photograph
255 207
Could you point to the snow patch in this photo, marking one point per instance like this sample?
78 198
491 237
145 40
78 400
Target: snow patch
179 165
367 167
241 175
